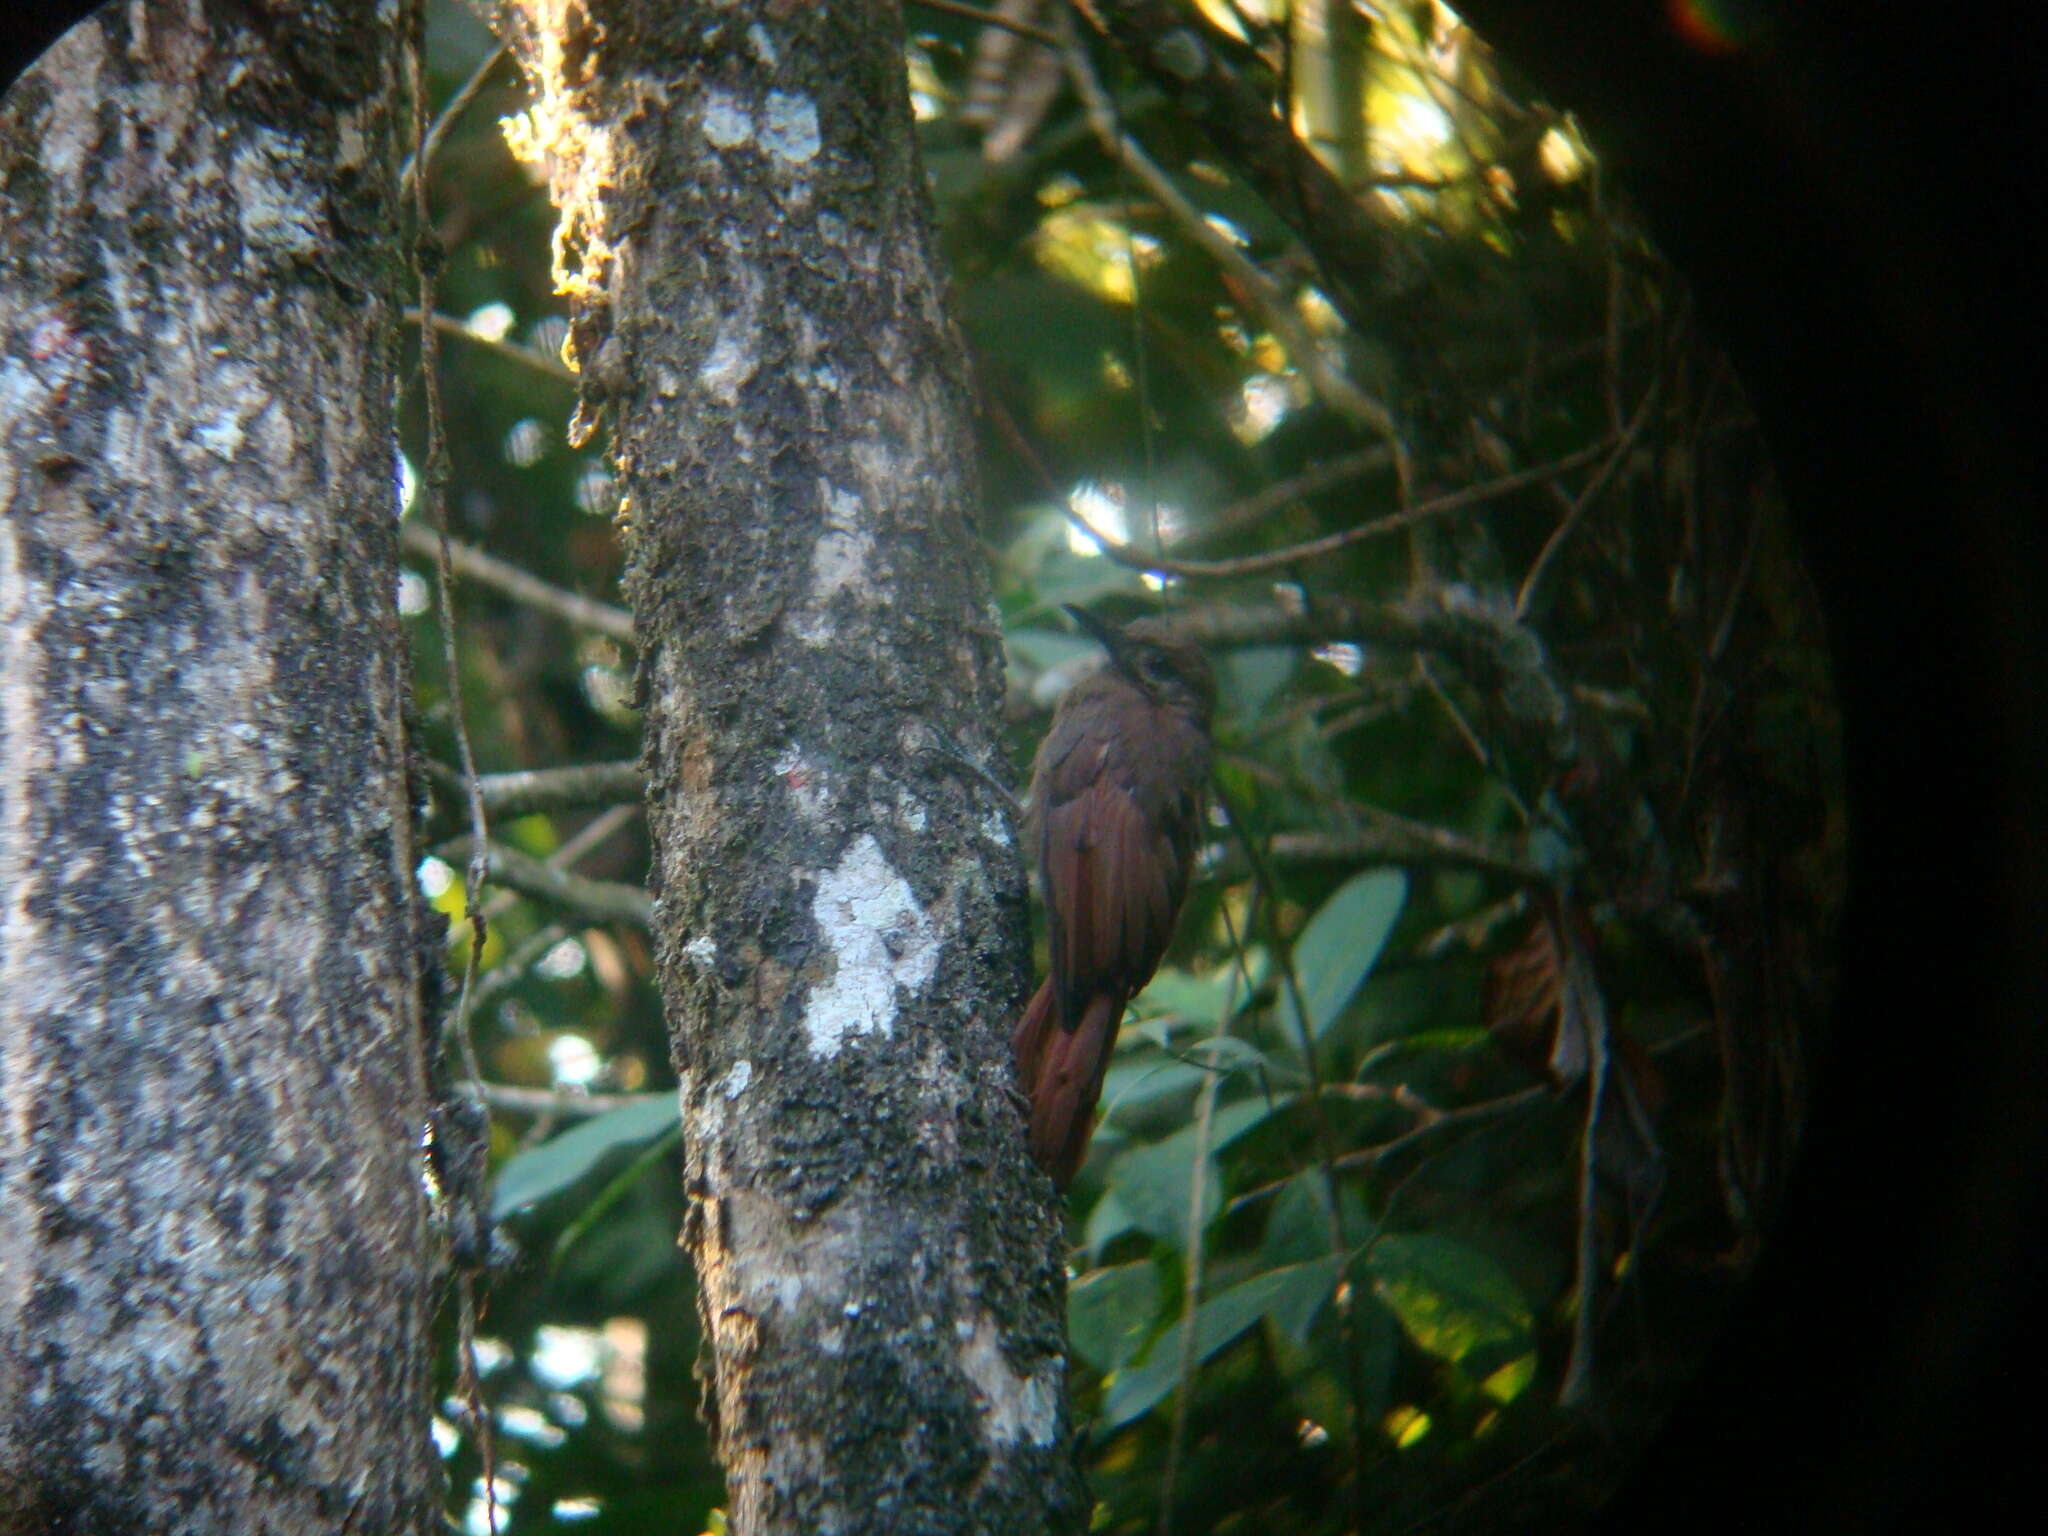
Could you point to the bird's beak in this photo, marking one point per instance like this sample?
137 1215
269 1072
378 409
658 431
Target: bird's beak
1110 636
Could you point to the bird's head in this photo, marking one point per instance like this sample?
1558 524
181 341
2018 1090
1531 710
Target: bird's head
1164 665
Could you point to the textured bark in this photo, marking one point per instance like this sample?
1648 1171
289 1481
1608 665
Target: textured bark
214 1292
841 911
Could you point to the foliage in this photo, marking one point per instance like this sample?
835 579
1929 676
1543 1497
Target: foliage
1478 1057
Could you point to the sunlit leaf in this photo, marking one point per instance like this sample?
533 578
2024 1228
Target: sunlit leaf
1450 1299
1342 942
555 1164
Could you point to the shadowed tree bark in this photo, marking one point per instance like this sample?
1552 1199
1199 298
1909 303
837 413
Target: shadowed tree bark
841 914
214 1266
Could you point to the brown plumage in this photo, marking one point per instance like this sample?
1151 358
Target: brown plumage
1119 795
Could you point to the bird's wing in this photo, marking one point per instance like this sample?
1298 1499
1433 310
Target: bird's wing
1113 881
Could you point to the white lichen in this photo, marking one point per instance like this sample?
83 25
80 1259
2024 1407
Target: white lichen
727 123
1013 1407
730 364
734 1083
880 939
839 562
789 127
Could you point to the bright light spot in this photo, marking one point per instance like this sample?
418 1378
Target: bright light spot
525 443
566 1357
1420 126
927 91
567 1408
1225 228
1318 313
414 596
569 1510
1059 189
1094 251
408 484
530 1425
625 1372
492 1355
493 322
1262 403
608 693
477 1520
1561 156
595 491
446 1436
1405 1425
566 959
1506 1384
574 1061
1151 581
1344 656
1311 1434
434 876
1102 507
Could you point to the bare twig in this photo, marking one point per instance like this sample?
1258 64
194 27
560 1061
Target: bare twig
450 114
1392 839
990 18
540 362
1585 499
1313 549
490 571
1327 474
549 789
603 901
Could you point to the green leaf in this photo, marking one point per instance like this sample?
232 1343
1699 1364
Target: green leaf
533 1175
1451 1299
1252 675
1338 949
1151 1183
1110 1311
1299 1226
1184 994
1291 1296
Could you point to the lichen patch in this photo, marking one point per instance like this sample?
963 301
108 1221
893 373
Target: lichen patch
880 939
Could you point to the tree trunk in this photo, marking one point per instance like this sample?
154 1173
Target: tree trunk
214 1296
841 915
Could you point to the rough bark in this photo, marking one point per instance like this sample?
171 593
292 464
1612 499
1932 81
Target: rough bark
214 1292
841 911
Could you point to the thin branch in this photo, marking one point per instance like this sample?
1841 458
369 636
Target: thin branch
1314 549
602 901
1585 499
1393 840
548 789
511 970
587 839
501 575
457 105
1326 474
990 18
540 362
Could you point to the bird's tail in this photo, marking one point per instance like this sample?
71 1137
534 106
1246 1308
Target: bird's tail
1061 1070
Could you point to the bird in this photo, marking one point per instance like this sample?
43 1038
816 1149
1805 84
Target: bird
1115 812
